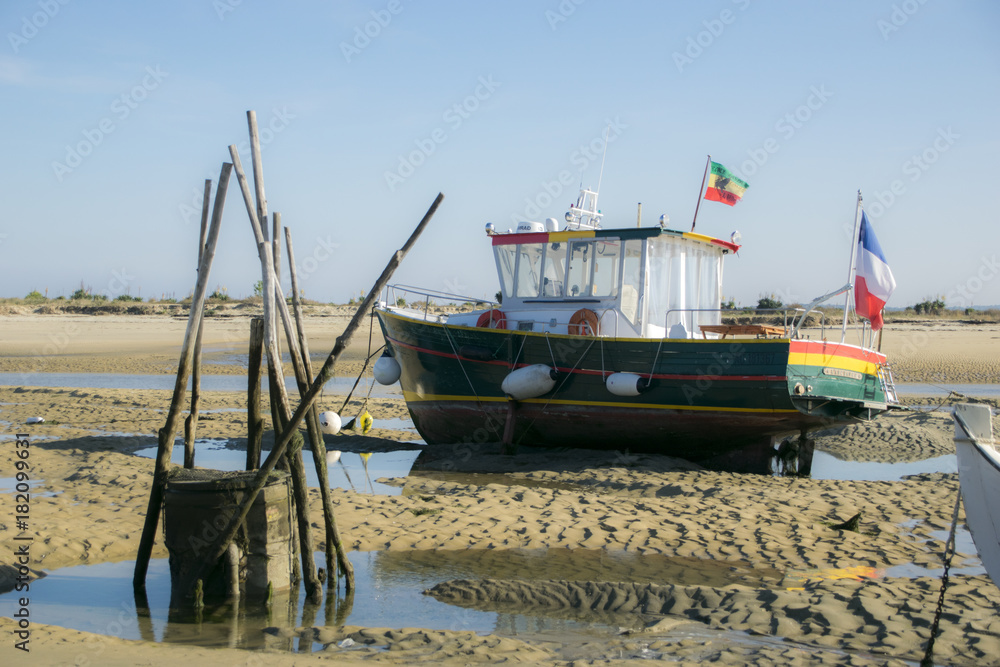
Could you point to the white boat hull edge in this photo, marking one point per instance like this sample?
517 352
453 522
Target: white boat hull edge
979 475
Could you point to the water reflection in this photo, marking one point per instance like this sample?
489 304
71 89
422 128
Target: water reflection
827 466
390 593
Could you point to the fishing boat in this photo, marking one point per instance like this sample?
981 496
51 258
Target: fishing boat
615 338
979 478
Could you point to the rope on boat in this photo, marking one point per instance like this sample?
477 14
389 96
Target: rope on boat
556 390
655 358
364 367
479 402
551 354
513 362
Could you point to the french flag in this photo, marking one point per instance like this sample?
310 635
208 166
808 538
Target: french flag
873 282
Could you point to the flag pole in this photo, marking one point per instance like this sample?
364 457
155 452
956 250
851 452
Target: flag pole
851 270
701 190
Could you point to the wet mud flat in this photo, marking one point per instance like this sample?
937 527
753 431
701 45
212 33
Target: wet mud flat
667 560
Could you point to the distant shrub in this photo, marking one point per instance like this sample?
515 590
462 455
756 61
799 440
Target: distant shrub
929 307
769 303
126 297
80 294
35 295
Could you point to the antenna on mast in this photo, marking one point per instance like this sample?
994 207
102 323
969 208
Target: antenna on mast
607 134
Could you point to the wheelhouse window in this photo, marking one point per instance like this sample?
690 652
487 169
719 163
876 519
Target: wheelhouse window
506 262
554 271
593 268
527 273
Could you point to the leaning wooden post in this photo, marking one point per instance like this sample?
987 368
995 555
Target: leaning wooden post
191 424
334 545
276 243
271 292
255 424
166 435
325 373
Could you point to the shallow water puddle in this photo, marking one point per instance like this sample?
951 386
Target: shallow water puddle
357 472
827 466
389 593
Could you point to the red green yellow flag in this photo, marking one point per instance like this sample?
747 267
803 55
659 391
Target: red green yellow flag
724 186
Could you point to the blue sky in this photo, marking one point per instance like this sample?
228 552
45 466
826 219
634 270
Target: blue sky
115 114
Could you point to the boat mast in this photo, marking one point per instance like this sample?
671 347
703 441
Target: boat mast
850 271
700 190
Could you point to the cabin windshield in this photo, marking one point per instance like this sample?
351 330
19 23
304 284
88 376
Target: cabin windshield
566 269
685 285
593 267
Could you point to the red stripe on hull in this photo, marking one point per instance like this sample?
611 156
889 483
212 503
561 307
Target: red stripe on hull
836 349
584 371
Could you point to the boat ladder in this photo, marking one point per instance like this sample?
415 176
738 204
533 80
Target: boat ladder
887 382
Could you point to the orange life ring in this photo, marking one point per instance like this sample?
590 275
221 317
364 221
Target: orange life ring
492 319
584 323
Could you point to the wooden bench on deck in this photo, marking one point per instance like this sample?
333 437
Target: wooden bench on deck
758 330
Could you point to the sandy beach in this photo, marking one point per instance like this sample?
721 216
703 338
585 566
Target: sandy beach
621 533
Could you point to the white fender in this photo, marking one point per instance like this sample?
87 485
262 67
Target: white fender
329 422
529 382
387 369
625 384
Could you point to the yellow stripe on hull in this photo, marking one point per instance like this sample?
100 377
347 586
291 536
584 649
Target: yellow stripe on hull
831 361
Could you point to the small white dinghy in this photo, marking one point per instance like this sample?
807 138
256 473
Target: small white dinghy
979 475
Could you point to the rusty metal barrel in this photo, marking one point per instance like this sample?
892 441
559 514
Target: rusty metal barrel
197 505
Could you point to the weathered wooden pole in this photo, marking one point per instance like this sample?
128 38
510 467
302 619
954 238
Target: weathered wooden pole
255 424
275 375
334 545
166 435
325 373
276 243
191 423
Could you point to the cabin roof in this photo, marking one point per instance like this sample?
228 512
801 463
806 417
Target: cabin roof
624 234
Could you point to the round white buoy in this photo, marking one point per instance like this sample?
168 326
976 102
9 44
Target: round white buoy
332 456
386 369
529 382
329 421
626 384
